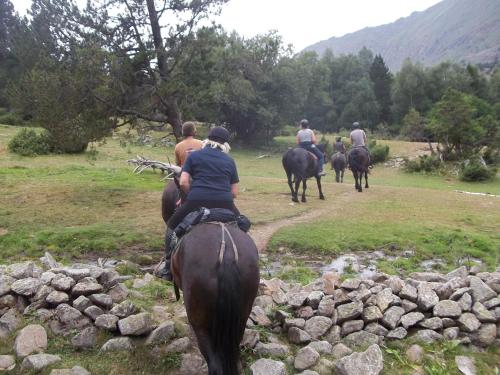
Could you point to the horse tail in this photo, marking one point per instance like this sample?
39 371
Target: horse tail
225 330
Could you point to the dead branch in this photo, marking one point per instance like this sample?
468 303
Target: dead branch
143 163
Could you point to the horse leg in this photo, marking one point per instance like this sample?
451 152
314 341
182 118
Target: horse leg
360 183
355 175
294 194
342 175
366 180
297 185
206 349
336 175
304 187
318 181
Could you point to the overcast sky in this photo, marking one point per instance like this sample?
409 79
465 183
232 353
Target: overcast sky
304 22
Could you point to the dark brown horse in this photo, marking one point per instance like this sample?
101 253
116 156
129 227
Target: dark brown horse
218 295
219 291
359 161
339 164
301 164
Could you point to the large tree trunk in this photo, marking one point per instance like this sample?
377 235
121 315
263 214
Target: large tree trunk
170 103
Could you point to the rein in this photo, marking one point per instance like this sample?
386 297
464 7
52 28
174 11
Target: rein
222 249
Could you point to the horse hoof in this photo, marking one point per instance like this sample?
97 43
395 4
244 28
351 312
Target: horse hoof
295 200
322 198
304 201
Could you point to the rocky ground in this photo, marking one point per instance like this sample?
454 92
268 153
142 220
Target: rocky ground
329 326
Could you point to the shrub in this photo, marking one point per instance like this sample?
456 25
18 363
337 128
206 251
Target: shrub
378 153
10 118
28 142
424 163
474 170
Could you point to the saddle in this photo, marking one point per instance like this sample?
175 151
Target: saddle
205 215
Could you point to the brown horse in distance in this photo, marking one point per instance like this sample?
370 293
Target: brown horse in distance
301 165
339 164
359 161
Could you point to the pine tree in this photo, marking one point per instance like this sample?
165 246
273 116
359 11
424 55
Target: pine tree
382 79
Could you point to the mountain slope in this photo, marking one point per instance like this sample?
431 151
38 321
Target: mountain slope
456 30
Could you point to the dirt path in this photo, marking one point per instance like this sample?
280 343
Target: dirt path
261 234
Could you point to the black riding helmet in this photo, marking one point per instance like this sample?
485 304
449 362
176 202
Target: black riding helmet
355 125
218 134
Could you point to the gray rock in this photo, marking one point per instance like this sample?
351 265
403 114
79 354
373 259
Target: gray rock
62 283
31 339
360 339
340 297
385 299
265 302
362 294
136 325
376 329
415 353
26 287
118 293
340 351
370 362
432 323
76 273
265 366
317 326
465 365
76 370
427 298
465 302
408 306
333 335
427 336
349 311
483 314
102 300
38 362
392 316
279 297
326 307
107 322
109 277
447 309
299 323
93 312
193 364
305 312
409 320
81 303
446 290
395 283
308 372
67 314
397 334
314 298
480 291
409 292
295 300
250 338
322 347
272 350
5 284
124 309
306 358
428 276
371 314
352 326
485 335
49 261
86 288
298 336
56 298
163 333
350 284
492 303
459 272
468 322
118 344
451 333
455 296
9 322
85 339
21 270
180 345
7 362
448 322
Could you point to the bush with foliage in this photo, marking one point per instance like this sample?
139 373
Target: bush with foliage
424 163
378 153
474 170
9 118
28 142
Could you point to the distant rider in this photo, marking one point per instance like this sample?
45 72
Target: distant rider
188 145
358 138
339 146
307 139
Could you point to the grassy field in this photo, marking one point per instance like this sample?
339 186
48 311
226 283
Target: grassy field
91 205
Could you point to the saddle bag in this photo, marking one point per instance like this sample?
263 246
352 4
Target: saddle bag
204 215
